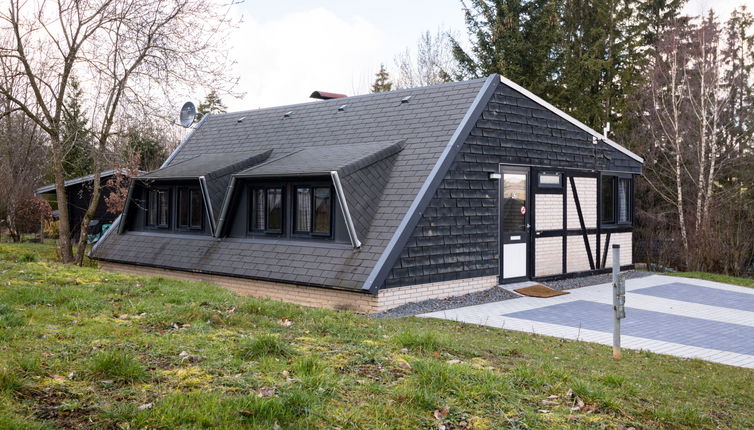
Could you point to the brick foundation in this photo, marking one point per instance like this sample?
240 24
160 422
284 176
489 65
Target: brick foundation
319 297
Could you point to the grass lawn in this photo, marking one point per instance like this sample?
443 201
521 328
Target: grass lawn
81 348
733 280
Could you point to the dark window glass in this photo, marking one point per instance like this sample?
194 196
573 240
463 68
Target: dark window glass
303 220
275 209
514 202
322 207
257 210
153 207
183 208
196 209
164 209
624 202
608 199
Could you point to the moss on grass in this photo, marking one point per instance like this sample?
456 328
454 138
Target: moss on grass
191 355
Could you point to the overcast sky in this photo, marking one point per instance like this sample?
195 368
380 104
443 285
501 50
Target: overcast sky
286 49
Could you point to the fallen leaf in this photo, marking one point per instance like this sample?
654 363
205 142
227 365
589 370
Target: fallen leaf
554 396
265 392
549 403
441 413
454 361
543 411
246 412
285 322
146 406
404 350
404 364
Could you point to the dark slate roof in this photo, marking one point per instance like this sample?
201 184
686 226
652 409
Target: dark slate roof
206 164
384 189
51 187
321 160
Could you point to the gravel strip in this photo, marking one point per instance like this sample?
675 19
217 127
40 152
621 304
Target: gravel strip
569 284
495 294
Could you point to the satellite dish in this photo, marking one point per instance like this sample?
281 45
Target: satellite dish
188 113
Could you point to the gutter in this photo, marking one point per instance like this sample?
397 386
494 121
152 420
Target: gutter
208 204
344 208
226 204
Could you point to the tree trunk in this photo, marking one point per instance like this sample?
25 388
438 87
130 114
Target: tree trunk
64 240
90 210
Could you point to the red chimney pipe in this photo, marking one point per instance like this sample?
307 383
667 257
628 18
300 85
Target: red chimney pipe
324 95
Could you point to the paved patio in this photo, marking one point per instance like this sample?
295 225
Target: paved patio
668 315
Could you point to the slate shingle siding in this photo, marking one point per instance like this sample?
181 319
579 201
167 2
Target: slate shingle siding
457 236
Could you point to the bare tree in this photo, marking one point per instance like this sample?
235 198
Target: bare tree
22 156
432 63
126 53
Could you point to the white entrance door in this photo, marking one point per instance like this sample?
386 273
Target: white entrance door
514 221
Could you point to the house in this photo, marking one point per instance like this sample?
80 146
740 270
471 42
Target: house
79 192
373 201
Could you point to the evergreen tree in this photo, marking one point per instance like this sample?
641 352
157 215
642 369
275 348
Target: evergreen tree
146 143
738 57
518 39
382 81
76 137
211 104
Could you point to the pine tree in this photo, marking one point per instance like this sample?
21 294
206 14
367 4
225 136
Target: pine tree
212 104
146 143
75 136
382 81
518 39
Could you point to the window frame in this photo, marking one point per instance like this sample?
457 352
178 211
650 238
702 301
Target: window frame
290 208
158 209
312 187
616 179
251 224
190 191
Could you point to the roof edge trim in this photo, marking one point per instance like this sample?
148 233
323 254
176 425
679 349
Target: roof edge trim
569 118
393 249
116 223
183 142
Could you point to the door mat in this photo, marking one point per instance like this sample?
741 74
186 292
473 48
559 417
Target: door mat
539 290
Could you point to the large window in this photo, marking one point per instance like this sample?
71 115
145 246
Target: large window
296 210
190 207
616 200
267 210
158 208
312 213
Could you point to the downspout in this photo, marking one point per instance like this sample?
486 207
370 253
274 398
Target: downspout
207 205
344 208
224 210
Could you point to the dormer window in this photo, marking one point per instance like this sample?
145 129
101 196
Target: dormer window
267 210
158 208
313 210
189 208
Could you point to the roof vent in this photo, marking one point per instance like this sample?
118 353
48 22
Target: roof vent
288 114
342 108
324 95
405 99
241 119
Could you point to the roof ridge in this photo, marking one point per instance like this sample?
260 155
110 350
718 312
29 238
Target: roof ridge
342 100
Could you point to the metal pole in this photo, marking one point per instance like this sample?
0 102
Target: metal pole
616 302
